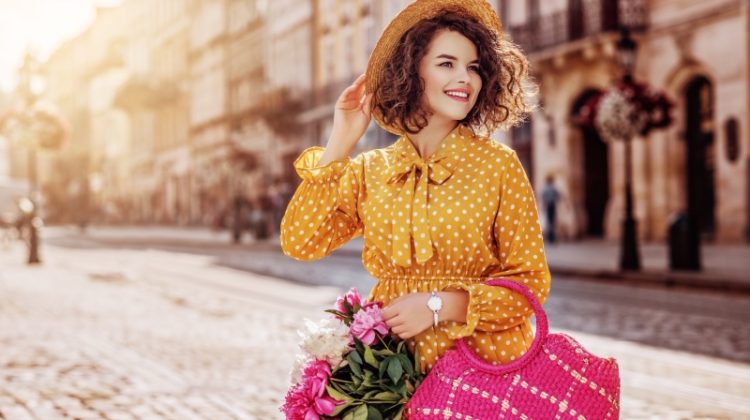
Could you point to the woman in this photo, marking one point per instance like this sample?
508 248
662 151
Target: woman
443 208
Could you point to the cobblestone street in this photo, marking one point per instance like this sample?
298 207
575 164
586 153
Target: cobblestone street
121 333
106 338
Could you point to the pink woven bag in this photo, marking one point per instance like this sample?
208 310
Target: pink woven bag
555 379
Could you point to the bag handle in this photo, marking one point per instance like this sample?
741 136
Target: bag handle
542 329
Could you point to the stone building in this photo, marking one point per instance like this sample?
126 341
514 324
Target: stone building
697 52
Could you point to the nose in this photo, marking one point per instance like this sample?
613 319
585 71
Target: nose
463 76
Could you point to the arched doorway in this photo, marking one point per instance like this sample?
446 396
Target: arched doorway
700 159
595 171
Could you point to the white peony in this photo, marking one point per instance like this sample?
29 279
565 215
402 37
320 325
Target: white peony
295 376
328 340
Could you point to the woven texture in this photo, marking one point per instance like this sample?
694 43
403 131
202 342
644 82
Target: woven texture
555 379
419 10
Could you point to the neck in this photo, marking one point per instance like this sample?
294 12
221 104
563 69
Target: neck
427 141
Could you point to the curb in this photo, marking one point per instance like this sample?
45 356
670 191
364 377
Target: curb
661 278
686 279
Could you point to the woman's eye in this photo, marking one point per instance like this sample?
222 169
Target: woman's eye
449 64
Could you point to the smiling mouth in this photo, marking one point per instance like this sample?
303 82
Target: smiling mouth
458 97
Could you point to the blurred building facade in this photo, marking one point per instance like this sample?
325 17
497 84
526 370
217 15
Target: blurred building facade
697 52
190 103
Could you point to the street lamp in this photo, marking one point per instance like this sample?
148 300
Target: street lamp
31 85
33 125
629 258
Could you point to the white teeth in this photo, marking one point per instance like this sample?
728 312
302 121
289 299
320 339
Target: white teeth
458 94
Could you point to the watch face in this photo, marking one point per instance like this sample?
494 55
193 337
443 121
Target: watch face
435 303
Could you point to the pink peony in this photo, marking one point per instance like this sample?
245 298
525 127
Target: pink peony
308 399
367 322
352 297
317 373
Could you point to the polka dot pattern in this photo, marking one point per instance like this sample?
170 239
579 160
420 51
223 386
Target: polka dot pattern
448 222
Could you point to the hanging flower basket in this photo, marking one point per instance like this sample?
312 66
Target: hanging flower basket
626 110
42 126
50 127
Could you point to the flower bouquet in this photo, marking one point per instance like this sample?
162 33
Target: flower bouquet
350 367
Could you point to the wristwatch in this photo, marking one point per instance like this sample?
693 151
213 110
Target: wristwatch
435 303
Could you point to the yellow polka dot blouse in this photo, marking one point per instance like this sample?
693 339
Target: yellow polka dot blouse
465 214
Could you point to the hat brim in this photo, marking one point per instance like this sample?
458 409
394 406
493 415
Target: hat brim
419 10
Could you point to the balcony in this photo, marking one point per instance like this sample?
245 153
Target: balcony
582 19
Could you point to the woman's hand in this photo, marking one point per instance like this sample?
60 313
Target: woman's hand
350 120
408 315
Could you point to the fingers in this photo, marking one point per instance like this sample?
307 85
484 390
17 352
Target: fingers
357 85
395 321
367 105
402 332
389 312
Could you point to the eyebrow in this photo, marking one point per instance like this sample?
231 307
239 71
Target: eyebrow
450 57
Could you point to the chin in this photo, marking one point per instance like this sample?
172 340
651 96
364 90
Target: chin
455 116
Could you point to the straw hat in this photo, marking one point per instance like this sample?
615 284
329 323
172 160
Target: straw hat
417 11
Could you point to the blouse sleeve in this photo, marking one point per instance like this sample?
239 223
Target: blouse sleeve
322 215
520 248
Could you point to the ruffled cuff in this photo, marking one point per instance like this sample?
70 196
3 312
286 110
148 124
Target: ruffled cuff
472 313
306 166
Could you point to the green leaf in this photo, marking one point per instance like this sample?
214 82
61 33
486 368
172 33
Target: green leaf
410 388
355 366
417 365
359 345
373 414
336 395
383 367
402 389
399 414
406 364
394 369
368 379
360 413
355 355
393 388
340 408
370 357
337 313
384 352
386 396
349 415
369 394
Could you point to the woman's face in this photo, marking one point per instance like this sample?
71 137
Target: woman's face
450 70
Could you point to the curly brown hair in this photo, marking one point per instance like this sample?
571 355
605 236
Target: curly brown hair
507 88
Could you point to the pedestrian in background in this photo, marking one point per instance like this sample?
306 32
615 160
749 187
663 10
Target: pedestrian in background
239 210
550 198
263 214
277 202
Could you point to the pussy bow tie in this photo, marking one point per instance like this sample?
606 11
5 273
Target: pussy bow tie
410 205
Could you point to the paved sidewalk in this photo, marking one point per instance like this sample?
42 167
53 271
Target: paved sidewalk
102 334
137 333
724 266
